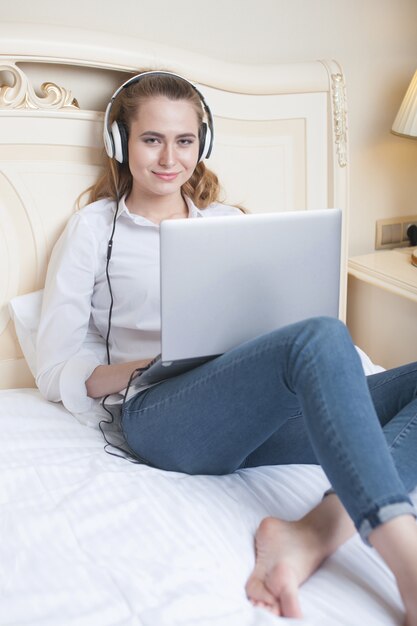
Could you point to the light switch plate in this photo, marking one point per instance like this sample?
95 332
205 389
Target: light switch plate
392 232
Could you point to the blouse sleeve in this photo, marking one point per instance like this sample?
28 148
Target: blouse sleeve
65 356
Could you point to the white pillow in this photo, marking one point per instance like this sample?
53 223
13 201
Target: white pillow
25 311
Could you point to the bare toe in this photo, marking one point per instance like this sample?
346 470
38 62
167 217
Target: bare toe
259 595
283 583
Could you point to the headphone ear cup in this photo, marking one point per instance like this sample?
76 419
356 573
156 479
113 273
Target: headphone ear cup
205 139
108 138
119 135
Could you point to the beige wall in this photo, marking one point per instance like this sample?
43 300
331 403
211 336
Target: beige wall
374 40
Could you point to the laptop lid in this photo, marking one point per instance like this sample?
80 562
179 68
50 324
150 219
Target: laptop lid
227 279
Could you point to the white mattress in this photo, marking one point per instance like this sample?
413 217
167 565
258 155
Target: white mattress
89 539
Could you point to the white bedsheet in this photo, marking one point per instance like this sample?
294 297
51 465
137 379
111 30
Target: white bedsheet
89 539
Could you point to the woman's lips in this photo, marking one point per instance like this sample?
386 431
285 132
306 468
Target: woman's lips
167 177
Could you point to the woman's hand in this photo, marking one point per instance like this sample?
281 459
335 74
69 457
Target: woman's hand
107 379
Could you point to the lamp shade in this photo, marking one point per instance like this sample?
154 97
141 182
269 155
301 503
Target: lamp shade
406 121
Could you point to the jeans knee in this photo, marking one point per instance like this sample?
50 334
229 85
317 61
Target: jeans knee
326 336
326 328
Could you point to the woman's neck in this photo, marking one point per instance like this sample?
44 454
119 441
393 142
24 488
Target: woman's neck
158 208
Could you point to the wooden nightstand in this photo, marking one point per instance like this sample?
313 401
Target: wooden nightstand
382 306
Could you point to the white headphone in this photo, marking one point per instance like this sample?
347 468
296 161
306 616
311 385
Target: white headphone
116 137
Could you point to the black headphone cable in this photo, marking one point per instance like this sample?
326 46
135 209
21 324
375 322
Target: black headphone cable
133 456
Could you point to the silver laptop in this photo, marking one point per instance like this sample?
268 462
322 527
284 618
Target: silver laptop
228 279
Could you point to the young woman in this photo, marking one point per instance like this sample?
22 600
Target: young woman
296 395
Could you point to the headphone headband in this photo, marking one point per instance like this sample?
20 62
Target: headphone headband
115 134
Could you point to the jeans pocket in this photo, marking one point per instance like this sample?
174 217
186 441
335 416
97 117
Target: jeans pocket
134 404
295 416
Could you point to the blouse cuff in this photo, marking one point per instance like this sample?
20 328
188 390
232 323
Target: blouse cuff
73 390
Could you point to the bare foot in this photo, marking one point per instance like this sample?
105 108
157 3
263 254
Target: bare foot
407 585
396 542
286 555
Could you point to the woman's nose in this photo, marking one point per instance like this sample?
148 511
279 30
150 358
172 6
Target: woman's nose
167 156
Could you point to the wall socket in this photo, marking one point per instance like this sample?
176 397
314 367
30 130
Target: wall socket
392 232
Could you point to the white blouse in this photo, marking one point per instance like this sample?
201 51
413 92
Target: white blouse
75 311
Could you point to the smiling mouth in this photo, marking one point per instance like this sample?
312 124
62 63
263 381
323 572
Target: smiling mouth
165 176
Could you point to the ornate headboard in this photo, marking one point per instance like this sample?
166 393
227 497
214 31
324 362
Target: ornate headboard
281 141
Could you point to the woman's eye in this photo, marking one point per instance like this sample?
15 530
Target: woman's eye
151 140
185 142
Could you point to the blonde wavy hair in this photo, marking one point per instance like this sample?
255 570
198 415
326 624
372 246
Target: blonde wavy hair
116 180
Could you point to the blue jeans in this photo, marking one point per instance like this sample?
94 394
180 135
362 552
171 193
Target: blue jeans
295 395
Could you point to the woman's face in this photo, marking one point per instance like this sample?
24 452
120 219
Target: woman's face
163 146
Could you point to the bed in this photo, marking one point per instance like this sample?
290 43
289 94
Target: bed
89 538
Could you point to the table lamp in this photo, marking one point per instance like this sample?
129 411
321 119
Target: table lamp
405 124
